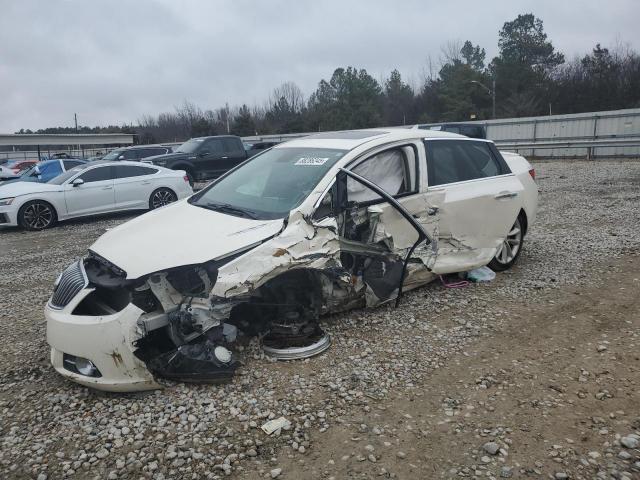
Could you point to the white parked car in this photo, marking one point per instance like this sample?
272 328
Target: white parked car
90 189
316 225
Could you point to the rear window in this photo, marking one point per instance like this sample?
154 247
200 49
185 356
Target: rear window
126 171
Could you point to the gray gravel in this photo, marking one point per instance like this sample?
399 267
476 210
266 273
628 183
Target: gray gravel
50 428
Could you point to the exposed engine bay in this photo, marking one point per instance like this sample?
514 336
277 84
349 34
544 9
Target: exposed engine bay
186 334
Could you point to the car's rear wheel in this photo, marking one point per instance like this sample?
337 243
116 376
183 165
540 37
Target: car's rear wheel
37 215
511 247
161 197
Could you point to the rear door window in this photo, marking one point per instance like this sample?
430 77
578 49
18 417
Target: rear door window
232 146
450 161
126 171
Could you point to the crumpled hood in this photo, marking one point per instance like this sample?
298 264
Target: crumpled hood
179 234
17 188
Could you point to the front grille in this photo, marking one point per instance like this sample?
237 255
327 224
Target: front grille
4 218
72 280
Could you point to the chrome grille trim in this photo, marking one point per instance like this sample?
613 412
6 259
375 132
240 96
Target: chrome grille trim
72 281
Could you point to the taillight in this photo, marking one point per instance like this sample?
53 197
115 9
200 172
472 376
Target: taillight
186 178
532 172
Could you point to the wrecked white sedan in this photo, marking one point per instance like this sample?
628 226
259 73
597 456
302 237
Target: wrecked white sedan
317 225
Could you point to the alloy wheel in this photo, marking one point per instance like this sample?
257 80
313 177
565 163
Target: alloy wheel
162 197
511 244
38 216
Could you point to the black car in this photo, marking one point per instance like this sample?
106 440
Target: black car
134 154
205 157
472 130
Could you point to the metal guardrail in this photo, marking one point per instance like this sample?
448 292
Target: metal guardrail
586 143
561 143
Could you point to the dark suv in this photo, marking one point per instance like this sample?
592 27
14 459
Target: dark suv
472 130
136 153
205 157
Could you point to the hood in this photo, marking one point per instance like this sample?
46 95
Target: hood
179 234
15 188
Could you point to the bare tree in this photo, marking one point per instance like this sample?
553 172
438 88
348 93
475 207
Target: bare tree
291 93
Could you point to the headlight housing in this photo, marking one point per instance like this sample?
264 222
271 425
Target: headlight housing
6 201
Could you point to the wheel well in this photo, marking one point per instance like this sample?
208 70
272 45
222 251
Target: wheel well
524 221
302 284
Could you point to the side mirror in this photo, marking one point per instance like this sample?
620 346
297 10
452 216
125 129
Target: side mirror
77 182
36 170
121 157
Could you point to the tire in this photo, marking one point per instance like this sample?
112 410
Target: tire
37 215
161 197
506 257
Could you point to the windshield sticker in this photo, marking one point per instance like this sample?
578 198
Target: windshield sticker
312 161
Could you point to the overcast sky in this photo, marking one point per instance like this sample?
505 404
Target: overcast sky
114 61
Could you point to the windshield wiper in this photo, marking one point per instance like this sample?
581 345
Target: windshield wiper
225 207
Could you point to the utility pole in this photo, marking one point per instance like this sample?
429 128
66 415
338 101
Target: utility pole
227 115
493 96
490 91
75 118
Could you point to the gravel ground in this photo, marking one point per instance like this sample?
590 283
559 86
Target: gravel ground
406 393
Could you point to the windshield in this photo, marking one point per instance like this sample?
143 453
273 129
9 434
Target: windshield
30 172
271 184
113 154
63 177
190 146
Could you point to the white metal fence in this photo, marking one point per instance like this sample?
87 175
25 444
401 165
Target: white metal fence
611 134
608 134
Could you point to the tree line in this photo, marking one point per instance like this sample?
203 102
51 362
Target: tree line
531 78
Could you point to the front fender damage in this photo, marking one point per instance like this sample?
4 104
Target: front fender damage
194 315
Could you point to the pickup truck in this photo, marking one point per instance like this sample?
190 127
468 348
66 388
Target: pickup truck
204 158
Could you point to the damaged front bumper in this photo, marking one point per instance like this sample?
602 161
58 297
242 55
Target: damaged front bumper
105 341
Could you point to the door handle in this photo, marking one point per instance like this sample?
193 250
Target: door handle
146 183
224 158
107 188
502 195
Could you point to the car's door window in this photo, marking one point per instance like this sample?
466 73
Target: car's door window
149 152
212 147
393 170
129 155
69 164
126 171
97 174
450 161
232 146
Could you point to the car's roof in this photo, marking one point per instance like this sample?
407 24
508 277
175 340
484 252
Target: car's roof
154 145
101 163
350 139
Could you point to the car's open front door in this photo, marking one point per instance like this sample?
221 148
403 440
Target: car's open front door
378 238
